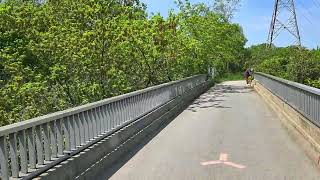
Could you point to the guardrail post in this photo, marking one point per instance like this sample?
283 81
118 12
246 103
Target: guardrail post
4 158
53 139
99 118
104 119
31 148
116 117
82 128
23 152
91 125
14 155
109 123
66 134
46 140
86 126
59 137
71 125
39 145
77 129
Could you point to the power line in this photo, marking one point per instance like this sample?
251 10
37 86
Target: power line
305 17
305 13
305 8
316 2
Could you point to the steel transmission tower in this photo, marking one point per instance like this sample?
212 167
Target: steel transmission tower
284 18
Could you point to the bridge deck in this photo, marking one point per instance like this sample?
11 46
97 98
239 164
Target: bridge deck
229 123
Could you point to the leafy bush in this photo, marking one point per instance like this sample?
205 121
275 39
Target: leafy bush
292 63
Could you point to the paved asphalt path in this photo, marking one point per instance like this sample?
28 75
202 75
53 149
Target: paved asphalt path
230 123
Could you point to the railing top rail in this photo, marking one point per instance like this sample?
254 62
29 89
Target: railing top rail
12 128
294 84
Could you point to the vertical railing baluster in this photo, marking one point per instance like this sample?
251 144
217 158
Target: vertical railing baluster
77 122
158 101
72 133
103 119
152 100
161 97
121 106
39 145
117 112
109 116
99 118
318 107
149 101
60 138
315 110
102 130
96 120
31 148
133 107
94 123
318 112
120 112
66 134
23 151
131 116
46 140
82 129
143 107
113 116
141 104
138 105
13 155
148 108
4 159
127 110
86 126
136 98
99 121
91 125
53 139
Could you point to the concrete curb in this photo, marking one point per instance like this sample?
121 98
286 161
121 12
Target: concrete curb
303 132
101 156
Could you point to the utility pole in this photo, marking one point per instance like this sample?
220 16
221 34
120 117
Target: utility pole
284 18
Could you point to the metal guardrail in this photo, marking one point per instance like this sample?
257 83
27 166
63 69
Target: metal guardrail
31 145
302 98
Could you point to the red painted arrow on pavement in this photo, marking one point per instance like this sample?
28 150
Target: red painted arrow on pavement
223 160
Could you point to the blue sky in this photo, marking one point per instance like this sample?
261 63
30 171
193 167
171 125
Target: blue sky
255 17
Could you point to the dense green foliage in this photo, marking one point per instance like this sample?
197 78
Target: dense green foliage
292 63
65 53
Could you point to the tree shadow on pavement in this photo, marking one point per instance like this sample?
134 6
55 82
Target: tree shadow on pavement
215 97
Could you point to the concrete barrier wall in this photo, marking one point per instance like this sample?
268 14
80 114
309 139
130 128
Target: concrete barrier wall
102 155
303 131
